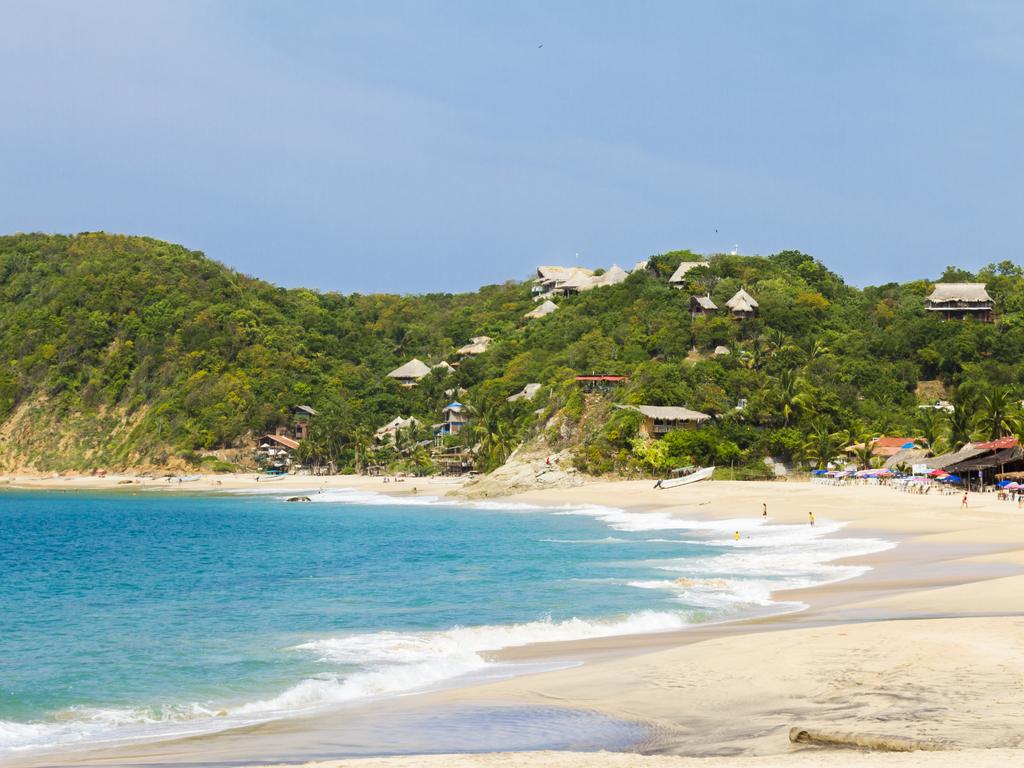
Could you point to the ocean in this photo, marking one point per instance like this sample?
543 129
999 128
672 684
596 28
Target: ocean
151 615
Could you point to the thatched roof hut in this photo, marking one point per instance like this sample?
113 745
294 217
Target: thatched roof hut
527 393
410 373
660 419
742 304
959 300
544 309
682 269
477 346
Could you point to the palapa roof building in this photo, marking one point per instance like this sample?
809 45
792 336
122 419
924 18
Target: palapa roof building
410 373
682 269
570 280
397 423
445 366
702 306
527 393
477 346
742 304
550 278
660 419
544 309
959 300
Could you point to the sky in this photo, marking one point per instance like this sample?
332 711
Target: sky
419 146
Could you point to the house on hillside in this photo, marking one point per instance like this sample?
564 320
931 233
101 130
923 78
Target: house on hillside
453 419
662 419
526 393
387 432
444 366
302 414
567 281
409 375
612 276
476 346
551 279
702 306
276 452
742 305
544 309
956 301
679 276
600 382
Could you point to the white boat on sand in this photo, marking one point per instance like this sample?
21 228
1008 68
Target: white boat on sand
685 476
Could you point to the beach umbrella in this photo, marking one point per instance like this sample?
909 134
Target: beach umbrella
1004 483
820 472
907 445
937 473
1013 486
950 479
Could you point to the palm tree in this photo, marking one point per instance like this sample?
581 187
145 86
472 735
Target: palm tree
930 425
775 339
789 394
995 407
821 445
960 423
814 351
494 437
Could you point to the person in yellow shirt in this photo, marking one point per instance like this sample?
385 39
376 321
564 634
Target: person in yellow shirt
737 535
812 517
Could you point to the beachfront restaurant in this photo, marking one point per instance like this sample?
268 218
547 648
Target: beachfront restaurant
981 464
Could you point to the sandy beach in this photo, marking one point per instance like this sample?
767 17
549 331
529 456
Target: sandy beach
928 644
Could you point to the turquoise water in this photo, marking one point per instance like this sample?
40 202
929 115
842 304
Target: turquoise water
152 614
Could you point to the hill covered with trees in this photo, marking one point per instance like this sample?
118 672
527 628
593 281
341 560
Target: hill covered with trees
130 352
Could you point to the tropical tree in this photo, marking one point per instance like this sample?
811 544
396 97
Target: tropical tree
960 425
790 394
930 425
996 407
822 446
494 438
814 350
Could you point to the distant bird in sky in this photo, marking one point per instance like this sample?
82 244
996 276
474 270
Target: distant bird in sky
541 45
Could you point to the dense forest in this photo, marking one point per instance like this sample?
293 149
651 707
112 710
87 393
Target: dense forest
130 352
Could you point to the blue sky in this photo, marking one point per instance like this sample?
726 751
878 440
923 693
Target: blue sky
376 146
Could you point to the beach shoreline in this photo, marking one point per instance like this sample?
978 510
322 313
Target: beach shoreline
952 574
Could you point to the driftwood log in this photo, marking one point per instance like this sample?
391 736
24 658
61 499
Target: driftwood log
827 738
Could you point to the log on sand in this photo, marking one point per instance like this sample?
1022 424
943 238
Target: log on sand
827 738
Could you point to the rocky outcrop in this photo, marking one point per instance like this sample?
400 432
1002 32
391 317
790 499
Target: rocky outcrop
522 473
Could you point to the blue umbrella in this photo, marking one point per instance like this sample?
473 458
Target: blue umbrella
951 479
1003 483
819 472
907 445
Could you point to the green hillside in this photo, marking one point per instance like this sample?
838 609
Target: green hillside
127 351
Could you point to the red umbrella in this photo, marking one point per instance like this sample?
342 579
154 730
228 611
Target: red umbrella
937 473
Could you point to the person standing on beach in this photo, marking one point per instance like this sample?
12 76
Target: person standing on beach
737 535
812 517
963 502
764 510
